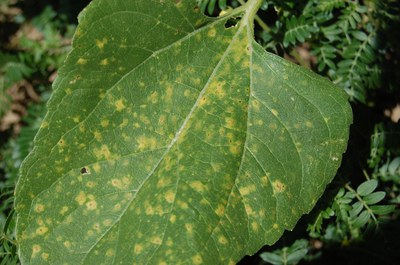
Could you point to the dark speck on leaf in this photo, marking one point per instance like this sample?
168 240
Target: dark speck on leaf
84 170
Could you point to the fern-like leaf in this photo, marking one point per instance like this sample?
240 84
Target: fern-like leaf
298 30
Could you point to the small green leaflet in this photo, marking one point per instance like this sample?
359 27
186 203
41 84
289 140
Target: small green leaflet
197 145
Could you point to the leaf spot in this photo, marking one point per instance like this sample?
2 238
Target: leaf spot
189 228
156 240
104 62
91 205
172 218
63 210
197 186
39 208
82 61
104 123
45 256
170 196
101 43
110 252
278 186
67 244
247 190
138 248
81 198
36 249
222 240
220 210
255 226
41 230
212 32
197 259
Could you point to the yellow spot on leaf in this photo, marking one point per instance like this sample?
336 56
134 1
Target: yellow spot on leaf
90 184
145 142
275 112
110 252
247 190
104 123
278 186
36 249
67 244
101 43
156 240
81 198
264 181
197 259
197 186
275 226
222 240
149 210
41 230
255 226
104 152
39 208
91 205
183 205
170 196
220 210
107 222
189 228
309 124
45 256
230 122
119 105
138 248
248 209
235 149
163 182
179 67
97 167
104 62
63 210
273 126
172 218
117 183
82 61
212 32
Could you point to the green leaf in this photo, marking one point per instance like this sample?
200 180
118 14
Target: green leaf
382 209
356 209
374 197
362 219
272 258
175 141
367 187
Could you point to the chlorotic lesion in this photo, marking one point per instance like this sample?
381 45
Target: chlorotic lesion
278 186
40 231
36 249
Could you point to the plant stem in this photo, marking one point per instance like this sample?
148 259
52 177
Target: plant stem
347 186
254 15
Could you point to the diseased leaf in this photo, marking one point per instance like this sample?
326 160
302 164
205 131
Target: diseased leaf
172 139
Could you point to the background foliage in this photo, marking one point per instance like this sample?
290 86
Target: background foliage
353 43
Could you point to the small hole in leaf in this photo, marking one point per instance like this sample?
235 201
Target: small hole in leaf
232 22
84 170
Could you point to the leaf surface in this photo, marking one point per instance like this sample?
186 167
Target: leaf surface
172 139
